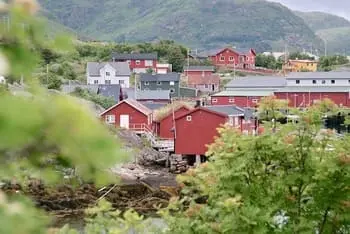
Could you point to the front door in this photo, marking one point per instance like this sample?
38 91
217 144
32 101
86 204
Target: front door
124 121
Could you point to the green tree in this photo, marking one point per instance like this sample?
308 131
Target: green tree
270 108
177 59
300 56
294 181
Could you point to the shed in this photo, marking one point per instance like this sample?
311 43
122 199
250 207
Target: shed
128 114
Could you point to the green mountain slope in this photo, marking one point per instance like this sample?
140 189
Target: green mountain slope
333 29
201 23
320 20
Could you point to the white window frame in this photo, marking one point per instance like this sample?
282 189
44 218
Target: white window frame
231 121
188 118
297 81
108 82
138 62
222 58
149 63
172 83
323 81
95 81
128 61
231 58
110 119
146 83
231 100
108 74
121 82
214 100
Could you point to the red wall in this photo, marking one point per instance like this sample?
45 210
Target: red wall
246 61
193 136
167 123
135 116
198 73
239 101
142 64
304 99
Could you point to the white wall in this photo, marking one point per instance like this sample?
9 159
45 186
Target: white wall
308 82
140 70
114 79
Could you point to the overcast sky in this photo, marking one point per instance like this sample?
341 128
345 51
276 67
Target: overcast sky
339 7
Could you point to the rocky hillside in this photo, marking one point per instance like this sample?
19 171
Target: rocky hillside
320 20
200 23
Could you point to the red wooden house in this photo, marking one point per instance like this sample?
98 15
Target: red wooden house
128 114
139 63
198 128
202 78
230 58
165 126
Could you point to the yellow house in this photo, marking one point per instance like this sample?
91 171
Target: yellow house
300 66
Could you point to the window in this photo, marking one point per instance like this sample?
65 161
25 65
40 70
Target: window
138 62
159 83
214 100
108 82
314 81
323 81
255 100
332 81
172 83
349 81
128 61
231 122
222 58
149 63
110 119
203 73
206 86
297 81
95 81
231 100
146 83
232 58
247 59
108 73
121 81
189 118
172 90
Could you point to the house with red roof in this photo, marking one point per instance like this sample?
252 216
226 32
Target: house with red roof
128 114
231 58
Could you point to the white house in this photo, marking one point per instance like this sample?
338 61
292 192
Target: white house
108 73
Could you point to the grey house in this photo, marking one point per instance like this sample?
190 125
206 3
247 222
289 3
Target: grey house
170 81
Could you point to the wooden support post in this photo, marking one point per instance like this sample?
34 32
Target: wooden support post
198 160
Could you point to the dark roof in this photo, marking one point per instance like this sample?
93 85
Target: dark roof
257 82
227 110
154 105
122 68
112 91
199 68
160 77
135 56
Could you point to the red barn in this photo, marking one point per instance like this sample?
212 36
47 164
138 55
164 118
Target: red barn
231 58
139 63
166 124
198 128
128 114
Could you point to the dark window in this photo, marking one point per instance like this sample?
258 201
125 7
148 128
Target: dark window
323 81
159 83
297 81
121 81
108 74
333 81
314 81
108 82
95 81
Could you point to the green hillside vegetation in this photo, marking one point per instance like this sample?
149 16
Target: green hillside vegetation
200 23
320 20
337 39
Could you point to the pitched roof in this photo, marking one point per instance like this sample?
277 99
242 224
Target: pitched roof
217 51
199 68
122 68
135 56
153 105
164 112
71 88
112 91
137 105
200 80
160 77
153 95
203 109
257 82
227 110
